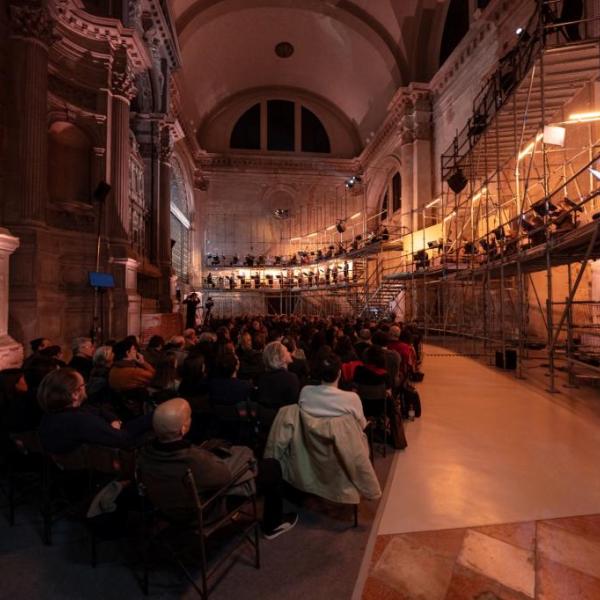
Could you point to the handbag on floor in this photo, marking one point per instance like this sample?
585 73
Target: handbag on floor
410 397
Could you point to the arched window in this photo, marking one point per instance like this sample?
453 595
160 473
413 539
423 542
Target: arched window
283 135
246 133
384 207
314 136
180 223
456 27
69 163
396 192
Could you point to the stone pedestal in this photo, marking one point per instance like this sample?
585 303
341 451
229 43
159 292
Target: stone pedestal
11 352
126 305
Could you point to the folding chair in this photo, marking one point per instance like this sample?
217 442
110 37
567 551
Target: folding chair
180 511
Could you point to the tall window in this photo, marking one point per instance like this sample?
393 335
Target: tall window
282 133
396 192
180 224
456 27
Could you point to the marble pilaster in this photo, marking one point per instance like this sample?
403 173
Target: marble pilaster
126 306
11 352
31 34
164 219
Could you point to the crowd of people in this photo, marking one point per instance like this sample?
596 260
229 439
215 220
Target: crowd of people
168 397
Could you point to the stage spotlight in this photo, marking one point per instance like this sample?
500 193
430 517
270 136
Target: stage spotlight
340 226
457 181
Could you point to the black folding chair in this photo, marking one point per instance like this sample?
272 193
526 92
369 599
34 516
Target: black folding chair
181 512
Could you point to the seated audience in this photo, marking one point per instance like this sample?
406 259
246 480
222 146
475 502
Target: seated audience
326 399
97 387
83 351
170 455
299 364
68 423
225 388
251 362
154 350
364 341
189 335
24 412
36 345
130 371
166 379
277 387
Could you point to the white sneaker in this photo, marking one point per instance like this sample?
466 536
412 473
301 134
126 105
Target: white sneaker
289 521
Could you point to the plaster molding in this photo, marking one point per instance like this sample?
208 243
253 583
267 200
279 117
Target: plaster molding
8 242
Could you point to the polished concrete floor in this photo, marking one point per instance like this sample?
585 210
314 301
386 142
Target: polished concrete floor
497 495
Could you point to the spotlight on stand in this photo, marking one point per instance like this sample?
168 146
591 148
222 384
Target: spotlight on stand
352 181
457 181
340 226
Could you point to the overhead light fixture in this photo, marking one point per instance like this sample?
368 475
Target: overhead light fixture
433 203
355 216
554 135
281 213
352 181
311 235
450 216
584 117
519 30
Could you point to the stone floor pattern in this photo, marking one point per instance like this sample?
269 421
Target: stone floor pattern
555 559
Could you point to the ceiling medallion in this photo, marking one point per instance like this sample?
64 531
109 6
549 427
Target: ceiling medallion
284 49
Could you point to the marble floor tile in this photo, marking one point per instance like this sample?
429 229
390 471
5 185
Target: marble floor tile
377 590
511 566
470 585
521 535
559 582
446 542
587 525
564 547
416 572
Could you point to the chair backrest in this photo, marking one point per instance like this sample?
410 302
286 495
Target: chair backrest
371 392
27 442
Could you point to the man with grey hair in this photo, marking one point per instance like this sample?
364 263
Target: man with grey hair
83 351
171 453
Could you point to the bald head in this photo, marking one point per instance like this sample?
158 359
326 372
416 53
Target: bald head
172 419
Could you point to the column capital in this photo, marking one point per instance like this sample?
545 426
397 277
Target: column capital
32 22
167 140
122 82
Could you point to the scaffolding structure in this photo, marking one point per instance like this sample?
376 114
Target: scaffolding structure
520 201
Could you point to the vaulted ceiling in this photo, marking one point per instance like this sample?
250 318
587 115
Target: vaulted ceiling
355 54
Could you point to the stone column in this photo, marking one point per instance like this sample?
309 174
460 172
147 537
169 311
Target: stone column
164 219
123 90
126 302
11 352
423 175
31 34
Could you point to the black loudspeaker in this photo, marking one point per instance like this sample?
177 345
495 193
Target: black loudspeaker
457 181
340 227
508 361
102 190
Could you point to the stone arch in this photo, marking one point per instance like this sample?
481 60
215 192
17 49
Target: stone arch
378 178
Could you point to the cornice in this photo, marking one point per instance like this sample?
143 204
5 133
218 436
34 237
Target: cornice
71 18
263 164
